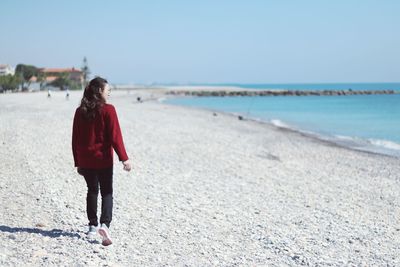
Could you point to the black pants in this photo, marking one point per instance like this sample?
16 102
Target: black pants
94 178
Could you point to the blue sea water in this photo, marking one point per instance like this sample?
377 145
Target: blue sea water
364 122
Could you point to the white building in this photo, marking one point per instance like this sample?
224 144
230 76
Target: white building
6 69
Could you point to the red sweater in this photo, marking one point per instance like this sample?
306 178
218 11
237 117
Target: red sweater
93 142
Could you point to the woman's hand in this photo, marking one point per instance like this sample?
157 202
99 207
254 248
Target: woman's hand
127 165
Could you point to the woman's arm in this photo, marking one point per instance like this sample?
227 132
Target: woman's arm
116 138
75 138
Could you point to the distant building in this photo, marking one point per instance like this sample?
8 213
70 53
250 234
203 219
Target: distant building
6 69
51 74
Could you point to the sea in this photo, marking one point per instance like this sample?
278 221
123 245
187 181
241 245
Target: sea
363 122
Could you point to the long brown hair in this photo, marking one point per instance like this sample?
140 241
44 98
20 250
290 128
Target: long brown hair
92 100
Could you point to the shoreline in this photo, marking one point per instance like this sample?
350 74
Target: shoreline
332 140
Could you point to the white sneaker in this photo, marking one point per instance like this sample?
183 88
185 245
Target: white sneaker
92 230
105 233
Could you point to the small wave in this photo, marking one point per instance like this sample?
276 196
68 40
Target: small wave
280 123
343 137
385 143
370 141
372 145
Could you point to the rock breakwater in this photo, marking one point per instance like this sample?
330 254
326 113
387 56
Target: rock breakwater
278 92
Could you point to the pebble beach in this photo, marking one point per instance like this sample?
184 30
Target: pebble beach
206 189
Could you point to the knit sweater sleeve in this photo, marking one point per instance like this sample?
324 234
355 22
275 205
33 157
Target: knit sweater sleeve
116 134
75 138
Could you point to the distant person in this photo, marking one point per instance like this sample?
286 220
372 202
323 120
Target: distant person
67 93
96 132
48 93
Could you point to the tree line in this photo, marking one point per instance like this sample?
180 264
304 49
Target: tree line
23 74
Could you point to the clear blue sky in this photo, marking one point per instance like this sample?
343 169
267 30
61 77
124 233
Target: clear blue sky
208 41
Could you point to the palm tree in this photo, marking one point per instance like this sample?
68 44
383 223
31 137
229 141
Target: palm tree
86 71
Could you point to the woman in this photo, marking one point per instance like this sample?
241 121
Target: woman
95 134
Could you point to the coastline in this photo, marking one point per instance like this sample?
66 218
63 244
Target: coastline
306 134
205 190
361 145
